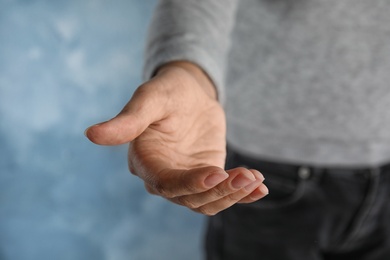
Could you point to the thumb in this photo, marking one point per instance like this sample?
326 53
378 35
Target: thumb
132 121
118 130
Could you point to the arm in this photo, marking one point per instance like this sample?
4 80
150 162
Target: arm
196 31
176 129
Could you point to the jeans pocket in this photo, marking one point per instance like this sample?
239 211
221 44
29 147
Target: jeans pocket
283 190
286 183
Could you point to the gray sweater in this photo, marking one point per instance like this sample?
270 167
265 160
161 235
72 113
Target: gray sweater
302 81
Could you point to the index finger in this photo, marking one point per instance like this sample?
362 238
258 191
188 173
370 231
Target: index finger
170 183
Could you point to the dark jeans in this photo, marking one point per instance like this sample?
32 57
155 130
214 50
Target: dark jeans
310 214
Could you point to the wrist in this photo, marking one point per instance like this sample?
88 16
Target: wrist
199 75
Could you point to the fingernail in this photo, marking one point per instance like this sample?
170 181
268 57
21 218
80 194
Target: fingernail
258 175
215 179
259 193
241 181
264 189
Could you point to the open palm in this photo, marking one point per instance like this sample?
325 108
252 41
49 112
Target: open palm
176 130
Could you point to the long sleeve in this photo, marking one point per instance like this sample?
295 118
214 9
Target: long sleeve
194 30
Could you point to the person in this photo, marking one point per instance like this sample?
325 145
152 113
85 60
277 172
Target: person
304 87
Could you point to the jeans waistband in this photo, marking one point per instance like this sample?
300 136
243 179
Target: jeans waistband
301 170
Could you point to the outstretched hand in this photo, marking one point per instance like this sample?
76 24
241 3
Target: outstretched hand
176 129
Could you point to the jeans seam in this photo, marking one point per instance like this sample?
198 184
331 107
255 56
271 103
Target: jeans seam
365 208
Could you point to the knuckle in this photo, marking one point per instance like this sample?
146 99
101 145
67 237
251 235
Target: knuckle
150 189
220 191
186 202
190 187
162 191
234 197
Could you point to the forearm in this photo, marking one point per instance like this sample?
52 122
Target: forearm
197 31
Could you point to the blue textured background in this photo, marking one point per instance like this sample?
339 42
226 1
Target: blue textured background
63 66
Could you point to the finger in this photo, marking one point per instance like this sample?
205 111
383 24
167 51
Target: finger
119 130
227 201
239 178
144 108
259 193
173 183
